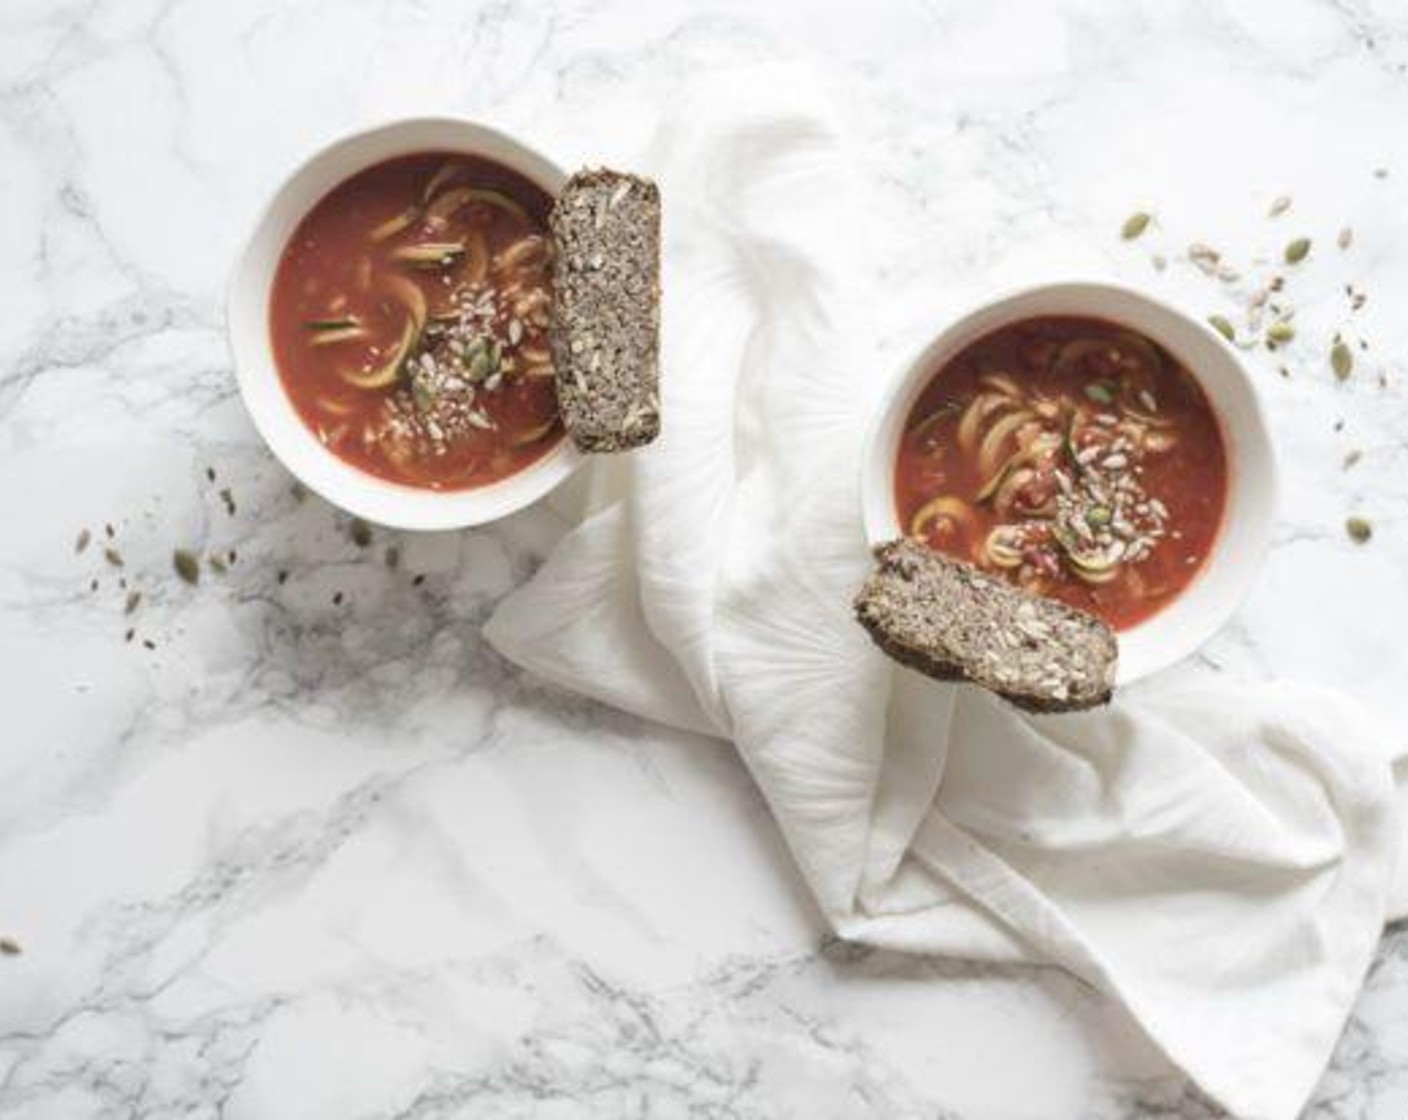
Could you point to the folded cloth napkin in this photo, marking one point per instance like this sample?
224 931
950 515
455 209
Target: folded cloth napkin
1219 859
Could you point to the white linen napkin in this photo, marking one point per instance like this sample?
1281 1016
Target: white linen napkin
1219 859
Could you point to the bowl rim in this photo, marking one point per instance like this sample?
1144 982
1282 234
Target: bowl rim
261 387
1252 470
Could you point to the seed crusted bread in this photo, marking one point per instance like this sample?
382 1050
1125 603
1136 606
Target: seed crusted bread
951 621
605 331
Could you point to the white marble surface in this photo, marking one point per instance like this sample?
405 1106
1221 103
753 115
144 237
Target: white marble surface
305 859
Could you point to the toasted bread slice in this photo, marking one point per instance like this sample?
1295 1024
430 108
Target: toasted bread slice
953 622
605 331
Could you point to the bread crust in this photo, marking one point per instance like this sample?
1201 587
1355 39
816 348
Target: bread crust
953 622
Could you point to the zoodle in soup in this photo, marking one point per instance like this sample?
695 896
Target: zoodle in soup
409 320
1073 456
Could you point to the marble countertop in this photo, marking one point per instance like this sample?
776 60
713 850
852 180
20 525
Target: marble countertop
303 846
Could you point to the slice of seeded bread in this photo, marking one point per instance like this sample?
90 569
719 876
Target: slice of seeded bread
605 330
953 622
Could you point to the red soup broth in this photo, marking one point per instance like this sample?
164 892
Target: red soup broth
409 320
1072 456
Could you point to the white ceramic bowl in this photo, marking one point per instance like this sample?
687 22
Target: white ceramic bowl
376 499
1225 577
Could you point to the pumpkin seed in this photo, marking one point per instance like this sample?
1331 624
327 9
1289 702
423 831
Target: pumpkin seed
1359 529
1135 225
1280 332
1341 359
186 565
422 395
1298 250
1223 326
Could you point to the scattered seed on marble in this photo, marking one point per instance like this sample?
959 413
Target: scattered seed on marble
1223 326
1352 457
84 537
1134 225
360 532
1279 206
1297 250
186 565
10 947
113 557
1341 359
133 598
1359 529
1346 238
1205 257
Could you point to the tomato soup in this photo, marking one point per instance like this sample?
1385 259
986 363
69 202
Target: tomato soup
1073 456
409 319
